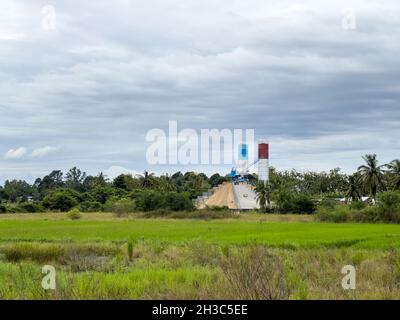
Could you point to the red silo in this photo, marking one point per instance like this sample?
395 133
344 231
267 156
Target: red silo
263 151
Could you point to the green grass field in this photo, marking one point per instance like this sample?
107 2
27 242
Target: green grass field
299 234
174 258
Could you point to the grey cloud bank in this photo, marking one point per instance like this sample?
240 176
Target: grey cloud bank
86 93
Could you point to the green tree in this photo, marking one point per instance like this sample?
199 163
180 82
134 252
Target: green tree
53 180
147 180
91 182
263 195
126 182
61 199
17 190
371 174
166 184
394 171
74 179
353 191
216 180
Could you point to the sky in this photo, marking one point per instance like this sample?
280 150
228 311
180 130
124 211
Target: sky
83 82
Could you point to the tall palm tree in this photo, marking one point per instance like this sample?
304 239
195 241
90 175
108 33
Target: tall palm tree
353 191
263 194
147 180
371 174
394 169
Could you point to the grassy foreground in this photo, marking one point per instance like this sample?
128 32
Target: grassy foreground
102 257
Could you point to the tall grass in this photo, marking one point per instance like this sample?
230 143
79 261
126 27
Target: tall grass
196 270
255 273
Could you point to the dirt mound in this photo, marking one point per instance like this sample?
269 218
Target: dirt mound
223 196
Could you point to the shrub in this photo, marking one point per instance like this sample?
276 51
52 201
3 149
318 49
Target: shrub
74 214
389 199
368 214
328 203
302 204
178 201
337 214
152 201
389 206
120 207
218 208
358 205
203 214
91 206
387 210
61 199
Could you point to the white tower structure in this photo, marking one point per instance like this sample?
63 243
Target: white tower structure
263 161
243 159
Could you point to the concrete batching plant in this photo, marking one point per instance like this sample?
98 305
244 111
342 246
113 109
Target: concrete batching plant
241 172
240 193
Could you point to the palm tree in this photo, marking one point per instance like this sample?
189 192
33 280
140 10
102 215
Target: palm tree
167 184
394 169
263 194
353 191
147 180
371 174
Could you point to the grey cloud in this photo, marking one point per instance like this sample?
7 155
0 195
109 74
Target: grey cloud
110 72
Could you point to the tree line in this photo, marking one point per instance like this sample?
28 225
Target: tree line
299 192
291 191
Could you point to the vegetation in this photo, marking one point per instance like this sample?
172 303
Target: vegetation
221 259
74 214
286 231
371 175
174 195
139 237
386 210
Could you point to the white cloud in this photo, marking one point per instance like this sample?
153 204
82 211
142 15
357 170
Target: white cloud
15 153
43 151
115 171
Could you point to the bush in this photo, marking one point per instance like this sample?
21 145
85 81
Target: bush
74 214
302 204
389 206
368 214
387 210
358 205
91 206
152 201
120 207
32 207
337 214
203 214
61 199
218 208
24 207
328 203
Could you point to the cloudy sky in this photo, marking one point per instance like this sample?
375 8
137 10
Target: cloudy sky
82 82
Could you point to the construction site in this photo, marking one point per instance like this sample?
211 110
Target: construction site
239 193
